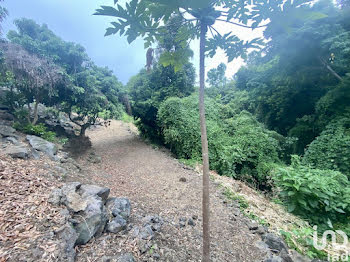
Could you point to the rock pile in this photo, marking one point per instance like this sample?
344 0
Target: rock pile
89 213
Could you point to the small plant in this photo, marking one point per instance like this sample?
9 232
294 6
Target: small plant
37 130
243 203
301 239
127 118
317 195
189 162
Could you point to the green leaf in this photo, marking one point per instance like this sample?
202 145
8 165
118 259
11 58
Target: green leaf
107 11
291 207
111 31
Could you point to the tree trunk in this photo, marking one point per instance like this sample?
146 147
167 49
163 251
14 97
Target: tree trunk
330 69
205 154
29 113
127 105
83 129
35 113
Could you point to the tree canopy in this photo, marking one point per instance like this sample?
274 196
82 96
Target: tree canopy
85 91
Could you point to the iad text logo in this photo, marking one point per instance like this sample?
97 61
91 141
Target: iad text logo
341 250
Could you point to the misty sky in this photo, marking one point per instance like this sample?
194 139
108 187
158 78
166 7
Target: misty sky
73 21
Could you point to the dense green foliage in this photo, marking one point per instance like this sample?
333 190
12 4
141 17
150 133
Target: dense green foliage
297 86
282 123
43 68
37 130
293 85
318 195
148 90
239 146
331 150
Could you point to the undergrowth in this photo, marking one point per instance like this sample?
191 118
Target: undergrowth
37 130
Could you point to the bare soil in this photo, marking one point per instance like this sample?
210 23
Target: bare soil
157 184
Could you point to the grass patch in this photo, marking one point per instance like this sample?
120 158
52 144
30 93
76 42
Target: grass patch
243 206
230 195
127 118
189 162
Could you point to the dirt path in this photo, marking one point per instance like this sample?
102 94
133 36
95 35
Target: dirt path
150 178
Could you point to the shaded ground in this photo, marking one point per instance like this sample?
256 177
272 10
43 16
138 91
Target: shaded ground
150 178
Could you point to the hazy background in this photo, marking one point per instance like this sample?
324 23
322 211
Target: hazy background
73 21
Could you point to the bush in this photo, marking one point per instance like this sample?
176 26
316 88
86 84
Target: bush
179 122
37 130
255 147
331 150
148 90
317 195
239 146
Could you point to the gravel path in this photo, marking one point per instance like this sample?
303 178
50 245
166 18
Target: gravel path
157 184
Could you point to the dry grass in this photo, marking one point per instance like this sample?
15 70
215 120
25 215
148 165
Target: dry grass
26 218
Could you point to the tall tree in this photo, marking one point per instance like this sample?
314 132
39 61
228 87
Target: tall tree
34 77
40 40
90 93
216 76
148 19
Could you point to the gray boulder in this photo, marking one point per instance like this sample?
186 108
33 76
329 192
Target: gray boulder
116 225
146 233
71 199
17 152
156 222
296 257
42 145
68 238
119 207
86 206
4 115
7 131
252 225
92 222
93 190
274 242
12 140
55 197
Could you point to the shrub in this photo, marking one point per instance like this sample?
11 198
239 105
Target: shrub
37 130
331 150
255 147
238 146
317 195
148 90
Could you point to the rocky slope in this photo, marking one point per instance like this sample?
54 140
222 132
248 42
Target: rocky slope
54 208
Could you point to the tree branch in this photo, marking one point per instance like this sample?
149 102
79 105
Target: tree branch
211 31
330 69
215 30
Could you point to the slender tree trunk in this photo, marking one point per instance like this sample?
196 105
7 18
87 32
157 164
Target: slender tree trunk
83 129
127 105
29 113
205 154
35 114
330 69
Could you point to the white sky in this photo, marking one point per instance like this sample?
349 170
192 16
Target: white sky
73 21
